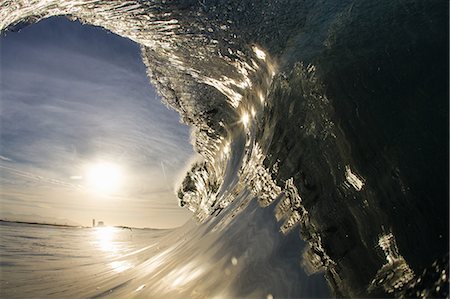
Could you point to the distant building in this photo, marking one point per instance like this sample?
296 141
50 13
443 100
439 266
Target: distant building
100 223
93 222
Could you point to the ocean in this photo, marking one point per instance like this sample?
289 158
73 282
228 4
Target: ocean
323 131
242 261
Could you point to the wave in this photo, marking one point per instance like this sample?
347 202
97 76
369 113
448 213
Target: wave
329 114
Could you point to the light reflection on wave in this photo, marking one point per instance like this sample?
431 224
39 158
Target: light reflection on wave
104 238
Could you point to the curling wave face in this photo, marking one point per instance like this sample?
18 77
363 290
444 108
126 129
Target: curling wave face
330 114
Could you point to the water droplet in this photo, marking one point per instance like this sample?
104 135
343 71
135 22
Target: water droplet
234 261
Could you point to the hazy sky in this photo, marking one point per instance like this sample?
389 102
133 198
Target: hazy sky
75 98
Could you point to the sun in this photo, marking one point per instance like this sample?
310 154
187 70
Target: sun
104 177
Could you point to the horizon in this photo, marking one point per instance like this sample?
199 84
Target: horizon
75 225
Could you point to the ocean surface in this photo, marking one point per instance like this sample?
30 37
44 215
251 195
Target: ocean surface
242 261
323 127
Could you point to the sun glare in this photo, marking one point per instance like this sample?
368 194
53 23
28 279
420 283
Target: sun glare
104 177
245 118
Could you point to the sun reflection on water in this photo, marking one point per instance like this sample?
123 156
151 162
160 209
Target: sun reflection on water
182 276
120 266
104 238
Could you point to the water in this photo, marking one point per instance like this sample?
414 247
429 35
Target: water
40 260
242 261
324 132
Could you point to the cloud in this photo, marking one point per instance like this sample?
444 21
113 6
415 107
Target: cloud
5 158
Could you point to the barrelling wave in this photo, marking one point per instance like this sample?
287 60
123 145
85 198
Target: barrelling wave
335 113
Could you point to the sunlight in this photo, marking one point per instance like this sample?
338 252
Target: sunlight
104 177
259 53
226 149
104 238
182 276
120 266
245 119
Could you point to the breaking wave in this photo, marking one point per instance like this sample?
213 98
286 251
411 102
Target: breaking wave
331 115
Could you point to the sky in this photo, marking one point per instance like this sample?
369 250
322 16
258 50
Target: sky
83 134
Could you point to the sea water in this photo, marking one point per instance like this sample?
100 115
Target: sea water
242 261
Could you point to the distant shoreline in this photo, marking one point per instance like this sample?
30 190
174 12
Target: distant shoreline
39 223
80 226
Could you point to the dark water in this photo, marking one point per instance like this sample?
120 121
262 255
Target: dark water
333 115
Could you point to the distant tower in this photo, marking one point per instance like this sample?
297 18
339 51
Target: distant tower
93 222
